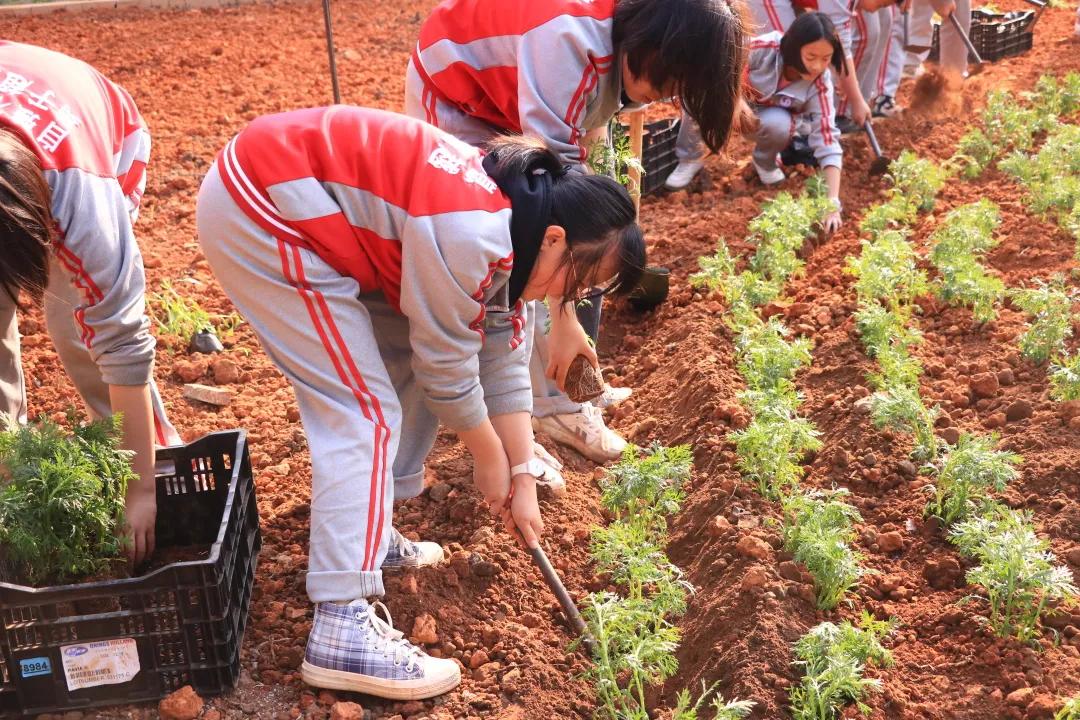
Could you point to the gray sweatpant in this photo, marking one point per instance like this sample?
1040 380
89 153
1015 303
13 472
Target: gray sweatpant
61 300
775 128
348 358
870 34
954 54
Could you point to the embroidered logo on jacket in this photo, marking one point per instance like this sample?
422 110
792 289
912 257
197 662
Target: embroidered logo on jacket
447 161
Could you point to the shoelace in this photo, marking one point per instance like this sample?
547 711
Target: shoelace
387 640
401 544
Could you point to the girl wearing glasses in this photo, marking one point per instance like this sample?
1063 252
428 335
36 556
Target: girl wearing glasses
386 267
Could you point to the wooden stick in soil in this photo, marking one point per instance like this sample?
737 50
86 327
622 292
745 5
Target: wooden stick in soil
637 131
568 606
330 51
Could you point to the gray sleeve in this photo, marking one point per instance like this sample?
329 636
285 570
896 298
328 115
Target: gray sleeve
101 259
824 137
556 80
841 16
447 262
504 361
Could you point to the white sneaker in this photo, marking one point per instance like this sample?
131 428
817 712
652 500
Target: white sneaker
553 480
612 396
683 174
404 553
351 648
769 177
583 431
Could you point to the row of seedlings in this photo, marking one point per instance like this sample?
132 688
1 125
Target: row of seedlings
818 526
1052 179
634 632
1014 566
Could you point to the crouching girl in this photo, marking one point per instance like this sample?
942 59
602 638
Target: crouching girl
385 267
789 76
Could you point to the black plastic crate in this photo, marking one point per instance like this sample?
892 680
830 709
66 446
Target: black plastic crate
995 35
184 622
658 153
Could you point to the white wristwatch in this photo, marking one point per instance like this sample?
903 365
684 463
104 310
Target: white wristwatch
534 467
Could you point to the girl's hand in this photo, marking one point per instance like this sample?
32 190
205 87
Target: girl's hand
140 514
832 222
524 511
860 111
492 478
566 341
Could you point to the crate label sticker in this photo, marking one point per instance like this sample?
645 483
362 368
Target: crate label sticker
107 662
32 667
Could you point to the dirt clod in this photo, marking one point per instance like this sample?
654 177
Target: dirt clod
346 711
184 704
583 381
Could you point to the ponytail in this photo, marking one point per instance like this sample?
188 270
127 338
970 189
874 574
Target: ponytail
26 221
595 211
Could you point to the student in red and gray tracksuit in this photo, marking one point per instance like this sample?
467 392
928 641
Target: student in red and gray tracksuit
789 76
73 154
777 16
386 267
560 70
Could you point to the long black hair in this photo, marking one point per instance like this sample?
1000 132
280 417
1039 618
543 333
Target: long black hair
26 221
807 28
696 46
595 211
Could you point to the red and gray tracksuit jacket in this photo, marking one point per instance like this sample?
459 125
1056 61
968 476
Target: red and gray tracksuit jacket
93 146
540 68
765 77
841 12
409 212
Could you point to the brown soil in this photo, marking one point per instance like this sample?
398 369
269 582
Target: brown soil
200 75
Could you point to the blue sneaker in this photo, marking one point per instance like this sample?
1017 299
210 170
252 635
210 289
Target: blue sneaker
352 648
404 553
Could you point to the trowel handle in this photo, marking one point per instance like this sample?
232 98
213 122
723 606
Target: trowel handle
873 139
964 36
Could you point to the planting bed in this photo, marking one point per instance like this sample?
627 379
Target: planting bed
198 76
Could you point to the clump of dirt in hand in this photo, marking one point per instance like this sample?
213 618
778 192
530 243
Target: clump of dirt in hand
583 381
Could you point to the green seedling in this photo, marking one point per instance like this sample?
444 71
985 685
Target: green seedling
62 499
818 531
901 408
770 449
917 179
887 270
722 709
183 317
965 474
614 158
1065 378
1070 710
833 658
974 153
1050 306
1015 567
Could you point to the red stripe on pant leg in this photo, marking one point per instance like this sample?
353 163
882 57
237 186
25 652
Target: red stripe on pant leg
382 431
770 10
884 67
305 293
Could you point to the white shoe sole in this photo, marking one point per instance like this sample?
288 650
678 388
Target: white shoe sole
387 689
572 440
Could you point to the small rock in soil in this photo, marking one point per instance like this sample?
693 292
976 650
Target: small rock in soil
1021 697
184 704
753 547
1042 707
1005 377
1073 556
346 711
439 491
189 371
225 371
950 435
424 630
985 385
480 657
1018 411
891 541
907 468
719 525
755 577
208 394
790 571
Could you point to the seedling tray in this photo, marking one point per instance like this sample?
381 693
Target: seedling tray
658 153
995 35
73 647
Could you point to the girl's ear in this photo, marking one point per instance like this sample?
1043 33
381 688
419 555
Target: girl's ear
555 237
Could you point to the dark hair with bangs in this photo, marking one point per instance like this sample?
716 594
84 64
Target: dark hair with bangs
595 211
696 46
807 28
26 221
